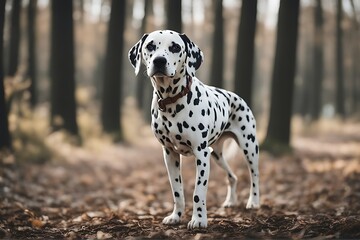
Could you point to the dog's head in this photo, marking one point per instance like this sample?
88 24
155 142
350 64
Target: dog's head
166 54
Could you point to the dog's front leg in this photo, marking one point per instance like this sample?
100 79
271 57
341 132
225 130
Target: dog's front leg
173 166
199 216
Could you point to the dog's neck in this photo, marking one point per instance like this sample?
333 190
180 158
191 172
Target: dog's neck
166 87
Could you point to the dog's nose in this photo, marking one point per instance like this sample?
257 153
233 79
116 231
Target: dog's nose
160 61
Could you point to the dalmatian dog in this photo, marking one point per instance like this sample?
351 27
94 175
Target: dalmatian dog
191 118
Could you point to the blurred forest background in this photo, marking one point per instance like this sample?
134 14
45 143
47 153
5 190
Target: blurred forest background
68 92
65 67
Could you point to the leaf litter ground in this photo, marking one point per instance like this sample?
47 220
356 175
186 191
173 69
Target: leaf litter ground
122 191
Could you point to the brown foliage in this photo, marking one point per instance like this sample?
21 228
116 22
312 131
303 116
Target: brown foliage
123 192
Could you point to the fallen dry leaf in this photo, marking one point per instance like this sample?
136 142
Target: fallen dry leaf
36 223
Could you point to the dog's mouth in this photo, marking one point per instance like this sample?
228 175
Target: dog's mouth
159 77
159 74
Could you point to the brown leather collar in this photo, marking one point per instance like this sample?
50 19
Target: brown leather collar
169 100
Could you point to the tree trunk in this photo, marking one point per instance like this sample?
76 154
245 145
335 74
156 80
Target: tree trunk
147 88
355 62
5 139
174 12
339 101
62 69
141 78
245 50
318 65
111 104
278 132
217 68
14 38
307 99
32 50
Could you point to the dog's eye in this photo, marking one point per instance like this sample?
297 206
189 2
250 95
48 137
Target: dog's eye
151 46
175 48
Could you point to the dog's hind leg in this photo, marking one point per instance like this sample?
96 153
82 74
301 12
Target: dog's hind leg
231 196
254 196
248 142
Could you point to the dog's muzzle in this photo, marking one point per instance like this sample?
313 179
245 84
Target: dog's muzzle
159 65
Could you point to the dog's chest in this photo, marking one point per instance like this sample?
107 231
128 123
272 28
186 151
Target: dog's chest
172 134
195 121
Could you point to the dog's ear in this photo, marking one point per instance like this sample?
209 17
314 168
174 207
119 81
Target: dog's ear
135 54
194 55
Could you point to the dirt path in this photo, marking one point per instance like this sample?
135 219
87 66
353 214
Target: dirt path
123 192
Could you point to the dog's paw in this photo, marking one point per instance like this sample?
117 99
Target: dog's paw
252 205
229 204
197 223
171 219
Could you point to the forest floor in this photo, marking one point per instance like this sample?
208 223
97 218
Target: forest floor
122 191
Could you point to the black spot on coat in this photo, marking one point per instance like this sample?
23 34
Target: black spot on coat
179 107
179 127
